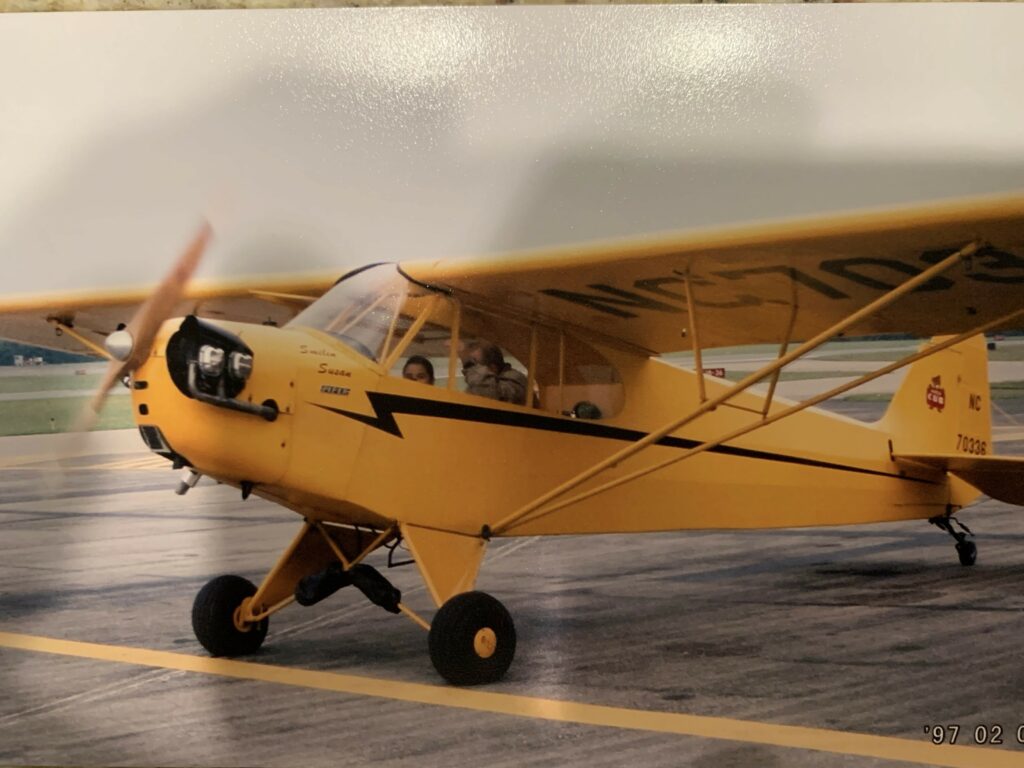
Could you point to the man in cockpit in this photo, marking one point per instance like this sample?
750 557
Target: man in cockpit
488 375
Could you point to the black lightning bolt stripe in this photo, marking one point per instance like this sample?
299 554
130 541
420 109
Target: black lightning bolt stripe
385 407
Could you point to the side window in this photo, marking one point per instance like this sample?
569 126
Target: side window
540 367
427 355
493 354
451 334
574 379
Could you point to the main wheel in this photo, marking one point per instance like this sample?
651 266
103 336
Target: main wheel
472 639
967 551
213 618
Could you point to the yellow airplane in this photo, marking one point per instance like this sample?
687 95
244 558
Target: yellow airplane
564 420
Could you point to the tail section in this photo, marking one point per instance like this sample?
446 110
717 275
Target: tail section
1001 477
940 418
942 405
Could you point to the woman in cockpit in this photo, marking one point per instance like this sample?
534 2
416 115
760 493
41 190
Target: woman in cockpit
418 368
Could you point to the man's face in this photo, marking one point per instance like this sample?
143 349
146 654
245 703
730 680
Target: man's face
473 357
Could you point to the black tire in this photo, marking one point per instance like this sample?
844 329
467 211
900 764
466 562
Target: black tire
466 624
213 618
967 551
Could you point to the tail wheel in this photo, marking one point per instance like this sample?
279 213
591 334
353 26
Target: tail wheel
472 639
214 618
967 551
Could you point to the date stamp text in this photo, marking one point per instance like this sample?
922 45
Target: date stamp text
986 734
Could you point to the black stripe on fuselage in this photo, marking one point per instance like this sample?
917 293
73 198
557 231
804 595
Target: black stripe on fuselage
385 407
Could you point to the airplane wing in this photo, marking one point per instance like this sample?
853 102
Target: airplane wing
92 315
745 282
1001 477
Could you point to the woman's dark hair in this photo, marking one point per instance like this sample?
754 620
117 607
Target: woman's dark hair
420 360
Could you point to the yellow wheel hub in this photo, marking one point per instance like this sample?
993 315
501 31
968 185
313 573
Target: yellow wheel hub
485 643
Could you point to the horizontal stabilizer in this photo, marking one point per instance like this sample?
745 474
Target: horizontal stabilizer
1001 477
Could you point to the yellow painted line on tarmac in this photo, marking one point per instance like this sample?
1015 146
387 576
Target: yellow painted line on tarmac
555 710
144 462
18 461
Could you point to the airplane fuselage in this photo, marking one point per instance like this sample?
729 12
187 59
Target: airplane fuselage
353 444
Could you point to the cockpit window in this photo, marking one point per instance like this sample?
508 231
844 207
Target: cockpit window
383 315
363 310
562 373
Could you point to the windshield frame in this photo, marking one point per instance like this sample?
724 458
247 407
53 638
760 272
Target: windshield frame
360 310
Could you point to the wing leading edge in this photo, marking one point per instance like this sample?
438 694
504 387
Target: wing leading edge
746 282
94 314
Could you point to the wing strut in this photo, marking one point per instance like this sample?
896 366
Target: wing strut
62 327
526 512
694 330
783 348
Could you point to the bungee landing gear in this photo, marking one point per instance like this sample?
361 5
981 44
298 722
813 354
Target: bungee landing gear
966 550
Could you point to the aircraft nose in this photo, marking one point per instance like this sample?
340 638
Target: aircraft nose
218 396
211 364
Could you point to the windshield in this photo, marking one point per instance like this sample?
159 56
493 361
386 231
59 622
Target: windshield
362 310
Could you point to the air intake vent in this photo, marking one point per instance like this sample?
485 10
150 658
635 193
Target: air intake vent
155 441
152 437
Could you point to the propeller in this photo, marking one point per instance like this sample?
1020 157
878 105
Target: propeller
131 345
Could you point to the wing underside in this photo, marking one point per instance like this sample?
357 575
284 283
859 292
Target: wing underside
748 284
73 321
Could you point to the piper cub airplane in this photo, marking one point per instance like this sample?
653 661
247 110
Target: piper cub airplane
292 389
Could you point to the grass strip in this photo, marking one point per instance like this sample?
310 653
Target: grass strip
57 414
48 383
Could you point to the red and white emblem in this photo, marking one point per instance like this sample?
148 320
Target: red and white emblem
936 396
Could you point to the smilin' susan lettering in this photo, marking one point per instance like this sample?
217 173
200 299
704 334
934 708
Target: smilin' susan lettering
325 368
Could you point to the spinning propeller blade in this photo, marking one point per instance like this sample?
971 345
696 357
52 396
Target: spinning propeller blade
132 345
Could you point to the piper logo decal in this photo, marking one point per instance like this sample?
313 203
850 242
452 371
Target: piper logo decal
329 389
936 395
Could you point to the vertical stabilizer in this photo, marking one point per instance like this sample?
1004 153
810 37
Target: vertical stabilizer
942 405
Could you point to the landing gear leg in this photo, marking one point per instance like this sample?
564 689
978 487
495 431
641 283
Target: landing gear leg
230 614
966 550
472 638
